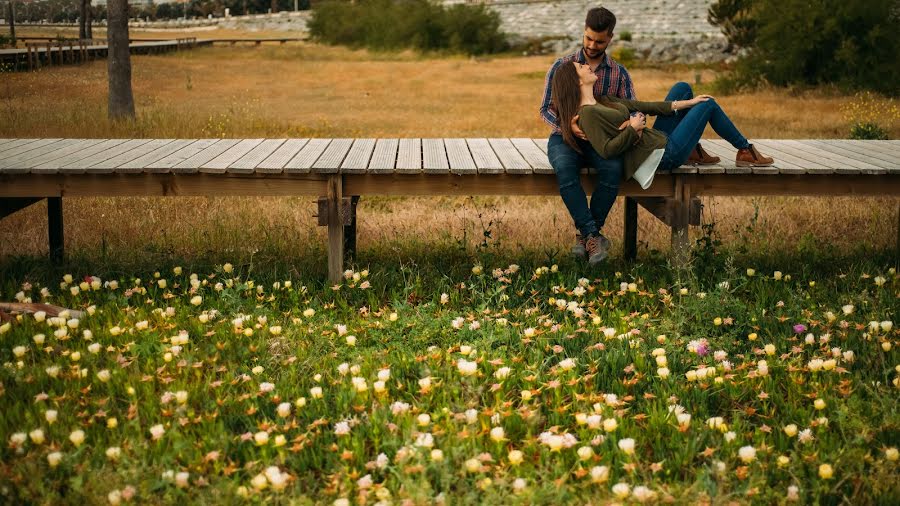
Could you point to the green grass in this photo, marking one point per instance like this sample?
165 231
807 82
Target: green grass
400 322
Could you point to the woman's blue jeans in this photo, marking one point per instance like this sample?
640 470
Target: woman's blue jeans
685 127
567 163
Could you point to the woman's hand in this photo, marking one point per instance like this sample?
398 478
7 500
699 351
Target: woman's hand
694 101
638 122
576 130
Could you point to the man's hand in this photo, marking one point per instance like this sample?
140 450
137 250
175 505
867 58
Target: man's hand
576 130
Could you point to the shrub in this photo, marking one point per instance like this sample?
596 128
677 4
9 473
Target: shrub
626 36
851 43
416 24
870 117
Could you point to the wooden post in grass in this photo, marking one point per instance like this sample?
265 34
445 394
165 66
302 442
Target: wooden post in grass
335 197
629 243
55 228
680 219
12 22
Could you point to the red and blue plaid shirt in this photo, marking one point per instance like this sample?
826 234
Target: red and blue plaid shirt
612 80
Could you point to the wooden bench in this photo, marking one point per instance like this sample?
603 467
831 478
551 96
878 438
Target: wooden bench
340 170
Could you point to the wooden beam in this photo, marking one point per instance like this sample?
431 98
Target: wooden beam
663 208
335 229
11 205
680 239
831 185
160 185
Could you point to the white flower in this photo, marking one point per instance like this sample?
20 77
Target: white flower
599 474
350 340
747 454
519 484
471 415
266 387
113 453
502 373
515 457
157 431
51 415
384 374
424 440
887 325
37 436
77 437
365 482
284 409
423 419
627 446
805 436
467 368
585 452
621 490
567 364
498 434
181 479
847 309
473 465
261 438
643 494
54 458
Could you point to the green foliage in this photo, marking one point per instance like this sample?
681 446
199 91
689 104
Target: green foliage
868 131
400 24
625 36
851 43
626 56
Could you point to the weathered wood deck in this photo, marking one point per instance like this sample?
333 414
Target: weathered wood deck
53 168
62 52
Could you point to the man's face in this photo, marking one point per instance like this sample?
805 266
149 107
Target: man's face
595 43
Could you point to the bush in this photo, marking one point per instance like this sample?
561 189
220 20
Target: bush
850 43
625 36
399 24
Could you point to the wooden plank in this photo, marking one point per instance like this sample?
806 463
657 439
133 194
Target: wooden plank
275 163
847 165
76 165
831 162
302 163
409 156
330 161
53 166
109 165
541 144
24 162
384 158
485 159
192 165
219 164
510 158
358 157
249 161
889 148
685 169
72 149
458 156
533 154
166 163
434 157
867 165
138 165
812 164
17 153
14 143
4 142
862 152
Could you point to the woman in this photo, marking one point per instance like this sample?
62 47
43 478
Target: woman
614 132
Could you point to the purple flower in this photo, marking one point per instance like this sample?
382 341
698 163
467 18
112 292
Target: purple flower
799 328
702 349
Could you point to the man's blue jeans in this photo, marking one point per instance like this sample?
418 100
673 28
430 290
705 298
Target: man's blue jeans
685 127
567 163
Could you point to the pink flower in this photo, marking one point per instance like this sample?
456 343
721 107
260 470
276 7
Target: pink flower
799 328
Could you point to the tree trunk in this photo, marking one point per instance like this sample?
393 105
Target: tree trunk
12 21
121 101
81 33
274 6
88 20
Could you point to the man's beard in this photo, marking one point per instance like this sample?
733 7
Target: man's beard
591 53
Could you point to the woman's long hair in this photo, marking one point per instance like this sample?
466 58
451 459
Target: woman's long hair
565 92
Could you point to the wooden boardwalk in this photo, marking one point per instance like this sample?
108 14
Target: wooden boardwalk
69 51
516 156
338 171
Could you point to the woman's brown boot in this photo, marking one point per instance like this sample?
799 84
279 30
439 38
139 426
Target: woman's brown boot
751 157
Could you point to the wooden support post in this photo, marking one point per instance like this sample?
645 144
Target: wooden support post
350 230
680 217
629 243
335 228
55 227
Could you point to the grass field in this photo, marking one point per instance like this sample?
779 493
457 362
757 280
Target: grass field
465 358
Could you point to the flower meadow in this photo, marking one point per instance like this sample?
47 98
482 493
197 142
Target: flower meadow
502 385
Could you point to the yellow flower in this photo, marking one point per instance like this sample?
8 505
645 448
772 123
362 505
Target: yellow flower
819 404
515 457
825 471
752 336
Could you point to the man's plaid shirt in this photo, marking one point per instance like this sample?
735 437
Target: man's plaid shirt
612 80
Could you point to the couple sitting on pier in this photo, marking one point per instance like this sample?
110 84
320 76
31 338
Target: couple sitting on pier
589 102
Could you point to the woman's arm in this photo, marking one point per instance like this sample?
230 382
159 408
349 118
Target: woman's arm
610 141
653 108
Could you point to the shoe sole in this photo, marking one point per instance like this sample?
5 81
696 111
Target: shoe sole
594 260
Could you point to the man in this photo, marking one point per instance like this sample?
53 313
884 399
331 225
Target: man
612 80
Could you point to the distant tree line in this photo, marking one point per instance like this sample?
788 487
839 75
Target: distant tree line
849 43
67 11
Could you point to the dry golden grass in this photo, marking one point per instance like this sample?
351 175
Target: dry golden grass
308 90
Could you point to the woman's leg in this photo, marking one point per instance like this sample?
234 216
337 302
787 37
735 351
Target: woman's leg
689 130
667 124
567 164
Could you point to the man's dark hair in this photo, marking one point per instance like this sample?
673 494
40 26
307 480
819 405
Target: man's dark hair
600 19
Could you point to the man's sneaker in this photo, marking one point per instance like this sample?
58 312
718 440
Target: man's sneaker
597 247
699 156
578 250
751 157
